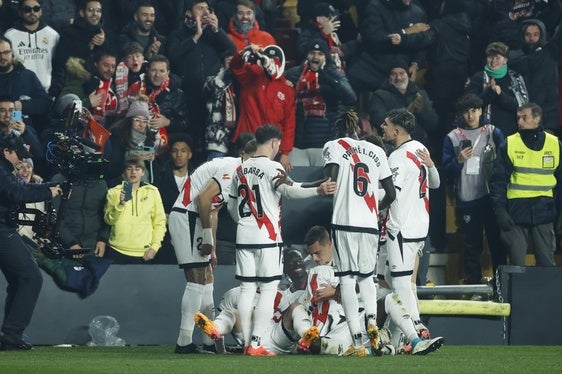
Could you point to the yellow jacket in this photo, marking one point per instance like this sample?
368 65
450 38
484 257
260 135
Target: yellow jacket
138 224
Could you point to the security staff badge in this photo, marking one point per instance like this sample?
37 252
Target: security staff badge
548 162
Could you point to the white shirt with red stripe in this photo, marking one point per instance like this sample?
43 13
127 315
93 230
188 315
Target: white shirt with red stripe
257 201
361 166
219 169
409 213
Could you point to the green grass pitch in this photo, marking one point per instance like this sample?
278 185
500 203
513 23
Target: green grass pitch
161 359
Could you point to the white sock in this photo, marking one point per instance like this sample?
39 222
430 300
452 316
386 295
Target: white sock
402 286
368 288
416 309
350 305
208 309
301 320
245 307
264 311
190 304
400 316
225 321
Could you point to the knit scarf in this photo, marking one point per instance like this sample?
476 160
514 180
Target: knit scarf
137 139
496 74
308 94
108 104
154 108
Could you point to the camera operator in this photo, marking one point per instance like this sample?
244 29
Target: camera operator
16 262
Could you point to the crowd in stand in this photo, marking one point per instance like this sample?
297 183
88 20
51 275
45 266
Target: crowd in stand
173 84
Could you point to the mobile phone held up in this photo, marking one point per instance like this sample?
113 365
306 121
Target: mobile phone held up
16 115
128 188
465 143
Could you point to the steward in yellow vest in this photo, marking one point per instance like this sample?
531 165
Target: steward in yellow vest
524 188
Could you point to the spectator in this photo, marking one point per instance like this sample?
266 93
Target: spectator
525 187
448 59
96 90
129 138
243 28
322 26
226 9
25 171
265 96
320 90
8 13
389 29
166 101
129 75
307 11
222 104
468 155
81 39
137 224
399 91
195 53
537 62
23 86
34 41
142 30
501 89
18 128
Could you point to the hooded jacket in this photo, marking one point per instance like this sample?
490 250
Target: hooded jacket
538 64
139 223
36 49
264 100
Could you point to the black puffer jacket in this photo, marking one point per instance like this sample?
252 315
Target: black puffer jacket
82 215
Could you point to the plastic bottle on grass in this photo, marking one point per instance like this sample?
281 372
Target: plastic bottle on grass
103 331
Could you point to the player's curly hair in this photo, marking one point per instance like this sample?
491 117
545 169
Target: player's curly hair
347 123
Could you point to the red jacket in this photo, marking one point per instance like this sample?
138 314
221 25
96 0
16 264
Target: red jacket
254 36
264 101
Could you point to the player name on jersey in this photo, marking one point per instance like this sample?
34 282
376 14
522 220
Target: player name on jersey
250 170
360 150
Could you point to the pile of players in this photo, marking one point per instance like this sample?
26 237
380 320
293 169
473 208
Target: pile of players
321 311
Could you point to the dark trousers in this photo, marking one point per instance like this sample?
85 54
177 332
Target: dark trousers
475 220
24 281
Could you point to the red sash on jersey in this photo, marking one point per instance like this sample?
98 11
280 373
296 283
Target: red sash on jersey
318 315
370 199
186 192
422 179
251 200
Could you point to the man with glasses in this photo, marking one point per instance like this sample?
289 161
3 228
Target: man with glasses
34 42
82 39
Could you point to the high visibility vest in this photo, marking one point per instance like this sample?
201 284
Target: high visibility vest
533 171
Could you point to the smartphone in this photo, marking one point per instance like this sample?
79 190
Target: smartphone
128 188
16 115
465 143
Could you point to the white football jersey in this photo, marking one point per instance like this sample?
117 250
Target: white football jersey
322 311
361 166
409 213
219 169
258 202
